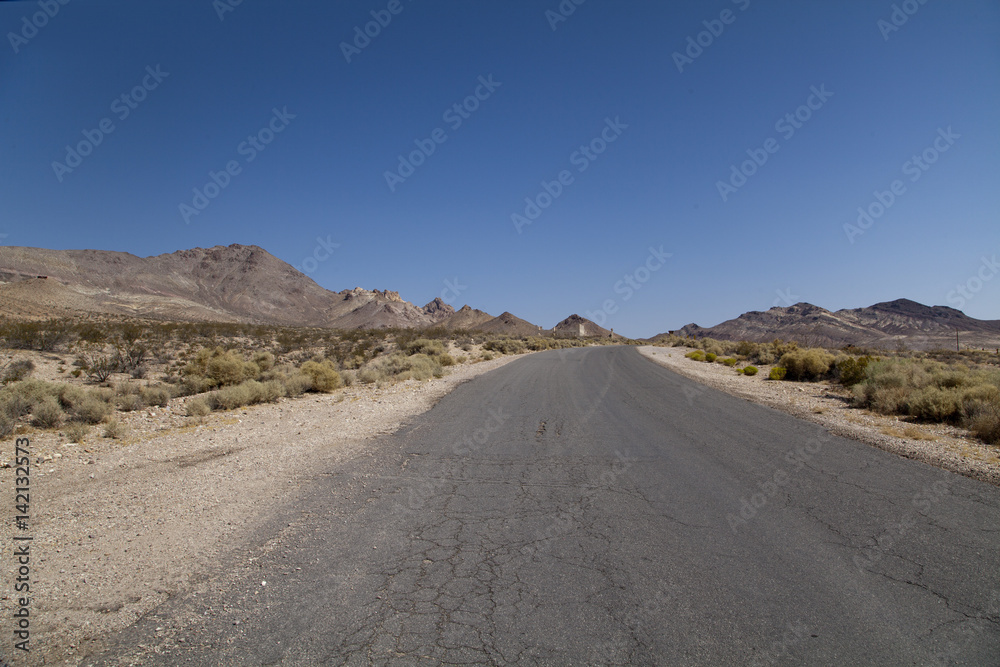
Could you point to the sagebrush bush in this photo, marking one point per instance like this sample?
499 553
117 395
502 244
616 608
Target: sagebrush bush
230 398
76 432
197 407
130 402
159 396
777 373
114 429
807 364
264 360
445 359
324 375
47 413
750 370
91 410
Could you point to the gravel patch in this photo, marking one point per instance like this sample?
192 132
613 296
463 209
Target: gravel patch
827 404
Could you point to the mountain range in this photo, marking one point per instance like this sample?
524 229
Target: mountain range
245 283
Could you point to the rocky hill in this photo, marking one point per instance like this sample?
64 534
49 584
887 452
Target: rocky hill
887 324
576 326
231 283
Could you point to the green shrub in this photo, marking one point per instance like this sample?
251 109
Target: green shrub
852 370
47 413
729 361
696 355
229 369
750 370
324 375
777 373
710 357
807 364
197 407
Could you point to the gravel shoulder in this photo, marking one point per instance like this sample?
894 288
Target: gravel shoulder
120 526
826 404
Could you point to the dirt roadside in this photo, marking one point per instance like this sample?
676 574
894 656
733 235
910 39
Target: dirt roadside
824 403
118 527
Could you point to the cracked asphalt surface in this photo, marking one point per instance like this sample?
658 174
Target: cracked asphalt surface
588 506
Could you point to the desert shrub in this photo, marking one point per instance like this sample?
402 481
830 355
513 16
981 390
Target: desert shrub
424 346
750 370
231 397
76 432
194 384
197 407
696 355
461 359
99 365
486 356
296 384
264 360
729 361
17 370
47 413
155 396
91 410
852 370
445 359
984 421
710 357
324 375
807 364
777 373
713 347
114 429
763 355
746 348
130 402
228 368
400 367
7 422
140 372
506 346
936 404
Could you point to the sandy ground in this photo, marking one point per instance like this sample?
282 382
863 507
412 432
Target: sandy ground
826 404
119 526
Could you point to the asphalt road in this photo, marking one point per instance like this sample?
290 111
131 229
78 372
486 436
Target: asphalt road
591 507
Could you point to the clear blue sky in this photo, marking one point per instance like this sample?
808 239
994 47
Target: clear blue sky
895 92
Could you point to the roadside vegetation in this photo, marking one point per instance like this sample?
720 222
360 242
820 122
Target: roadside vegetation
938 386
108 367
